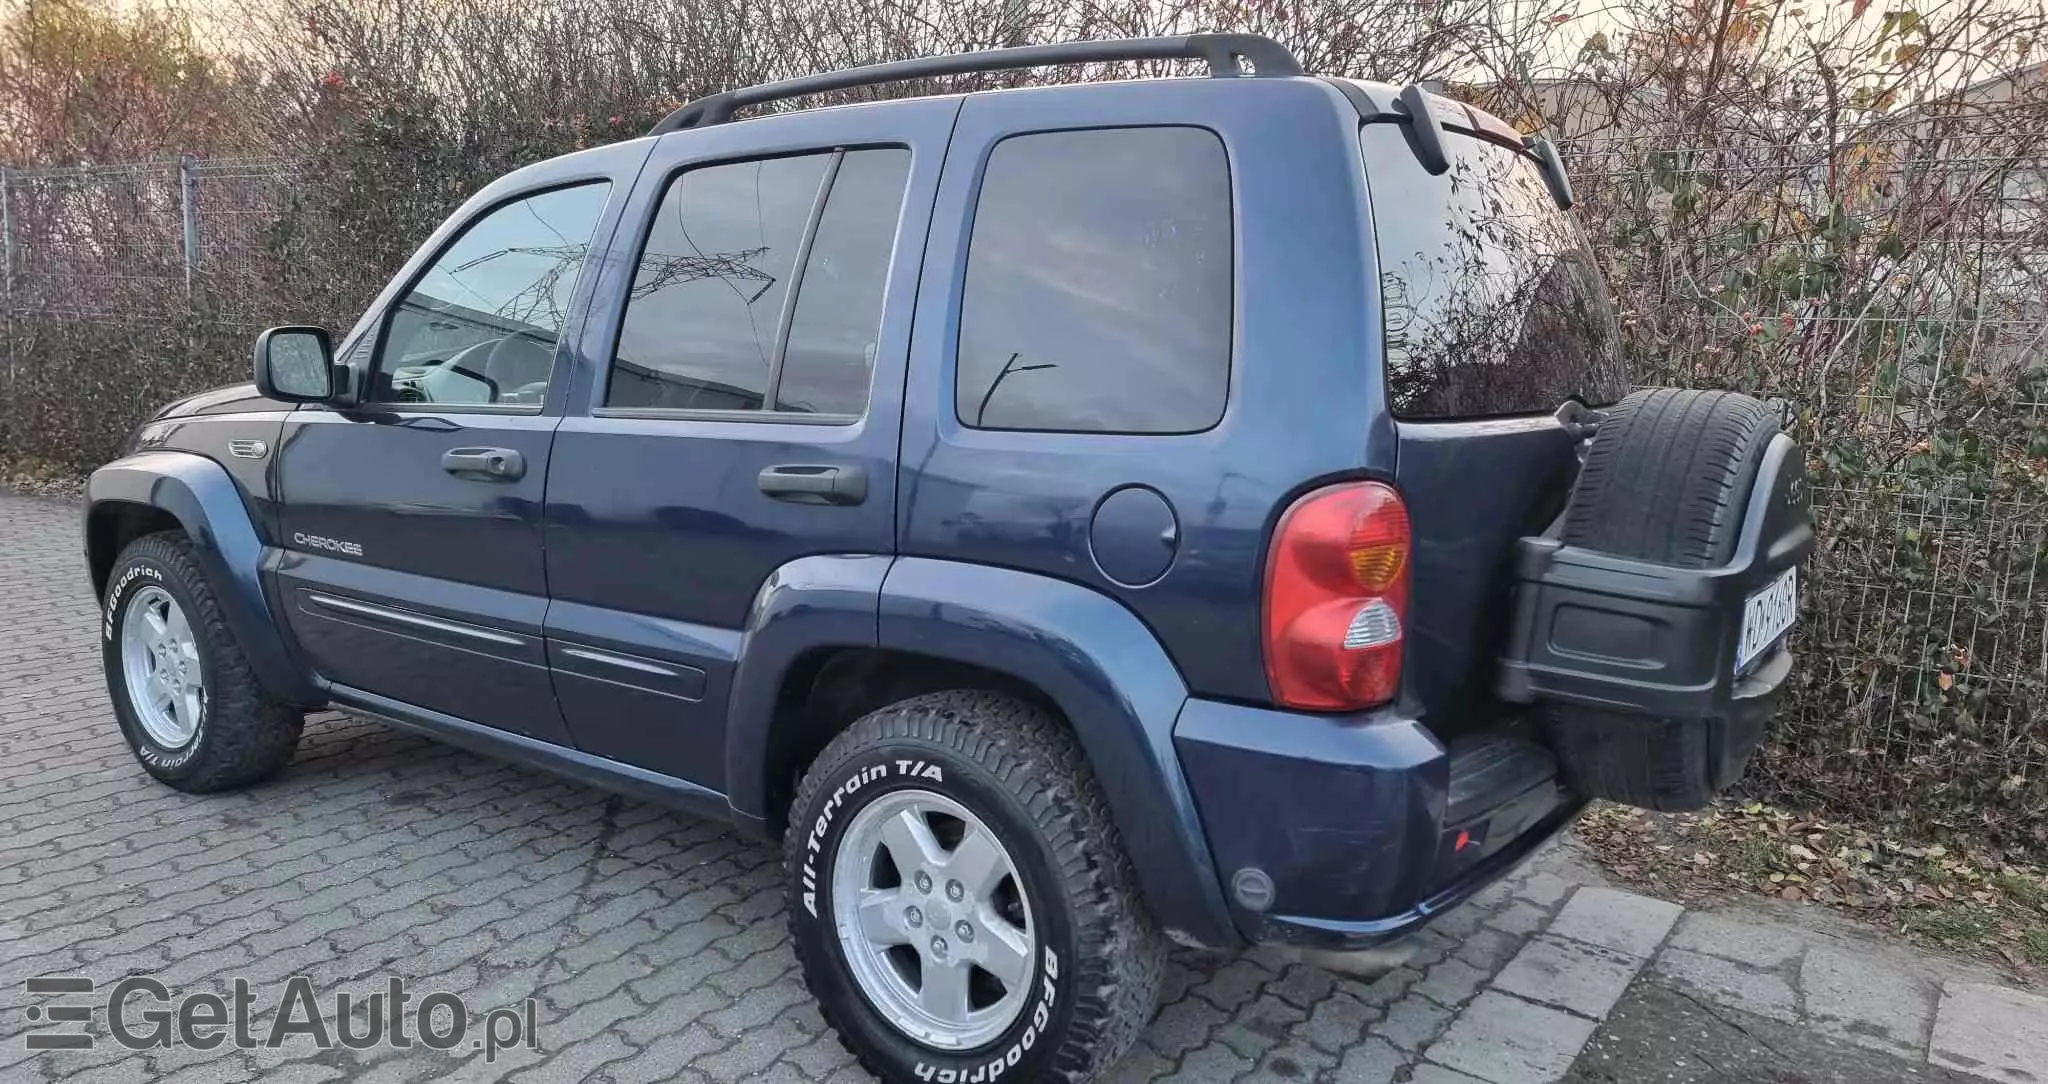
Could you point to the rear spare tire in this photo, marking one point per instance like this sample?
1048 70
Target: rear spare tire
1666 479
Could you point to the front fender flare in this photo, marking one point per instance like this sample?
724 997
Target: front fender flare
1108 674
207 504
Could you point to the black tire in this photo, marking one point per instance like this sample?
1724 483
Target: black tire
1021 773
1668 475
244 735
1666 479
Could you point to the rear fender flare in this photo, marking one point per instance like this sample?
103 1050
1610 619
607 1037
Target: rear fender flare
1104 669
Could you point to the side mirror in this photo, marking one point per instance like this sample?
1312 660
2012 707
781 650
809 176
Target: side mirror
295 364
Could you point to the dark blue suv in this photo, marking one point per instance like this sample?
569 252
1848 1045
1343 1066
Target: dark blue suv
1071 519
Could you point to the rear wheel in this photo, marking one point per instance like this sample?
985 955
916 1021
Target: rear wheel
959 899
1667 479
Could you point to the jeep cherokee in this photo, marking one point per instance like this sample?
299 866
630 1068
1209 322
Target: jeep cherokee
1071 519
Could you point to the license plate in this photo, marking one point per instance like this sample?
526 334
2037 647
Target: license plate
1766 616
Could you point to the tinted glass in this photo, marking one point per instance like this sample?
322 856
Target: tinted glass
838 319
480 327
1098 285
707 296
1493 303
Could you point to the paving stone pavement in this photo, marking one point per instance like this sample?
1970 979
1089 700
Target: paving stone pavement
652 944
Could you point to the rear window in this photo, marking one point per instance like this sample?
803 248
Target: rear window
1492 302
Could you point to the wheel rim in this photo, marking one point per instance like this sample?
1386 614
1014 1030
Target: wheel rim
160 660
932 919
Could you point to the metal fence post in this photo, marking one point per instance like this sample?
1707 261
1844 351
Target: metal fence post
6 240
188 193
7 279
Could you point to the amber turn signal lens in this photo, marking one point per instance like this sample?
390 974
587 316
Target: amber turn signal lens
1378 567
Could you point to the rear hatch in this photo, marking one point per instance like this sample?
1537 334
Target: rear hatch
1495 317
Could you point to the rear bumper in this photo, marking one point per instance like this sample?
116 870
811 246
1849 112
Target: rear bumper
1343 832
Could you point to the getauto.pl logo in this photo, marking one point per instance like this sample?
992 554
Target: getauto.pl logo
141 1013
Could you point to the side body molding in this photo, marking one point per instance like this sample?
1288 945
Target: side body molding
1107 673
205 501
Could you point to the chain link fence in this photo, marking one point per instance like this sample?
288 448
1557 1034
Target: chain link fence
145 240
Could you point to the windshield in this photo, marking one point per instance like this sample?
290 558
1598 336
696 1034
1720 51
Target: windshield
1492 302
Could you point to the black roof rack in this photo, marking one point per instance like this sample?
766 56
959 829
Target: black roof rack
1224 52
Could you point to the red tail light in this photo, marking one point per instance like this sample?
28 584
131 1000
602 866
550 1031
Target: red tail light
1337 598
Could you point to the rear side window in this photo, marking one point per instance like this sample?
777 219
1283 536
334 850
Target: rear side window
1492 302
760 286
1098 291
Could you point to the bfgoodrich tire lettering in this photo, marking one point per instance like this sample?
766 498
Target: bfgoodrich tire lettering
1098 955
243 734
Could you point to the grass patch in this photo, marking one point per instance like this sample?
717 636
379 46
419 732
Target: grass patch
1757 857
1957 927
2035 943
2021 889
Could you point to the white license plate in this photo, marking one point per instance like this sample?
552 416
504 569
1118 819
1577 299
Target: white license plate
1766 616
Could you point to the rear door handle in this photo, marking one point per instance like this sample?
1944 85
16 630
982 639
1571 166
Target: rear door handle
496 464
804 483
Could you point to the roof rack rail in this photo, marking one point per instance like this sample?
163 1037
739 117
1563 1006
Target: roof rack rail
1224 52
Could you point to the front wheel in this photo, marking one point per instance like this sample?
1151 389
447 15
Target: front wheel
959 899
183 692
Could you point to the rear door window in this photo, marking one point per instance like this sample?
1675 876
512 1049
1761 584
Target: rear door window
760 287
1492 302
